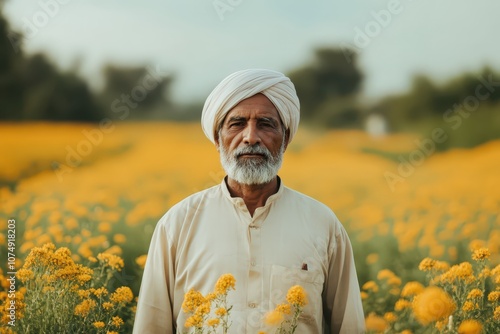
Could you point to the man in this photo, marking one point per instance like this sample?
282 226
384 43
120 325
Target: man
266 235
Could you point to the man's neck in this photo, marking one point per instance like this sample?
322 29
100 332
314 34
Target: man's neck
254 195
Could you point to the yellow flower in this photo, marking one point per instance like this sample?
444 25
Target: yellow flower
495 271
401 304
283 308
370 285
390 317
385 274
192 299
84 293
469 306
496 313
25 274
441 324
375 323
475 293
470 327
99 324
107 306
224 283
193 321
394 281
406 331
213 322
494 296
441 266
112 260
461 272
84 278
119 238
84 308
476 244
115 250
117 321
71 223
364 295
220 312
141 261
85 251
412 288
47 289
122 295
485 273
372 258
111 332
211 296
481 254
296 296
203 309
426 264
104 227
274 318
432 304
100 292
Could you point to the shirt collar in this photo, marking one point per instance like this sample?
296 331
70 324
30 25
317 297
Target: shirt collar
238 200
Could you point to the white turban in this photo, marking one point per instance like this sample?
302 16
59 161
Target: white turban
244 84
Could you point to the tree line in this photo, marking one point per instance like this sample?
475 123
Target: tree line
33 88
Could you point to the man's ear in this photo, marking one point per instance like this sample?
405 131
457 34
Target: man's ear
287 137
216 140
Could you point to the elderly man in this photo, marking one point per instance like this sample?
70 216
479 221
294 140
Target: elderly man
268 236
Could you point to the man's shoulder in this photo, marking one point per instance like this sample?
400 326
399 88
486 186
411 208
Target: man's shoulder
305 201
194 200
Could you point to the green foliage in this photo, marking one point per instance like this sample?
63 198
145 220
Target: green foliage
466 108
33 88
329 77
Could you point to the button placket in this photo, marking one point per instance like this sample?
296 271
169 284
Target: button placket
255 282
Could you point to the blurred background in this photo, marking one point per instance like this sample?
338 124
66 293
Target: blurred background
400 119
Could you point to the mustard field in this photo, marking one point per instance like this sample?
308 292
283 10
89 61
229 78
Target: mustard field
79 202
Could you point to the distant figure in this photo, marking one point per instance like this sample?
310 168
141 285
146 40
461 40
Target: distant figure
268 236
376 125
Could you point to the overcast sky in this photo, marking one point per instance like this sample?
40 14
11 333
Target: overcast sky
202 41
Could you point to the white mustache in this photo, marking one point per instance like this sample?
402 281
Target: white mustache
253 150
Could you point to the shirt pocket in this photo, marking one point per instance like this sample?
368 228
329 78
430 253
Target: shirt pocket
283 278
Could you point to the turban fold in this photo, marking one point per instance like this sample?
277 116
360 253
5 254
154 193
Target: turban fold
244 84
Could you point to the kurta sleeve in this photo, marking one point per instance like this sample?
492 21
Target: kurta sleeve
154 308
342 300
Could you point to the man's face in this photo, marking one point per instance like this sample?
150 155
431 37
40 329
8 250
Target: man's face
252 141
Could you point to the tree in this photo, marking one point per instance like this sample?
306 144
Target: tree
142 90
329 77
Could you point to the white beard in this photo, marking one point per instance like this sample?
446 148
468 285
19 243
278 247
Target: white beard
251 170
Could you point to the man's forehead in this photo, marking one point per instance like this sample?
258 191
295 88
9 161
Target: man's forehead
256 114
254 108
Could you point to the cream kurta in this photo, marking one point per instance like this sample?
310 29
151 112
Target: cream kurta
210 233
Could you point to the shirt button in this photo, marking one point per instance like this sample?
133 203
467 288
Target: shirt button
252 305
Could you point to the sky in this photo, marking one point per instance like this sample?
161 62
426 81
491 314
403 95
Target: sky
200 42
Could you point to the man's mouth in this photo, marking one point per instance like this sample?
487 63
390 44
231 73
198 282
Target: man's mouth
251 155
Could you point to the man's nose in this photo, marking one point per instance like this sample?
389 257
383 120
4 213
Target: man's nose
251 134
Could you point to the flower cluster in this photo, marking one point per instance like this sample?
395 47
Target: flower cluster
61 296
285 316
210 312
207 314
462 298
